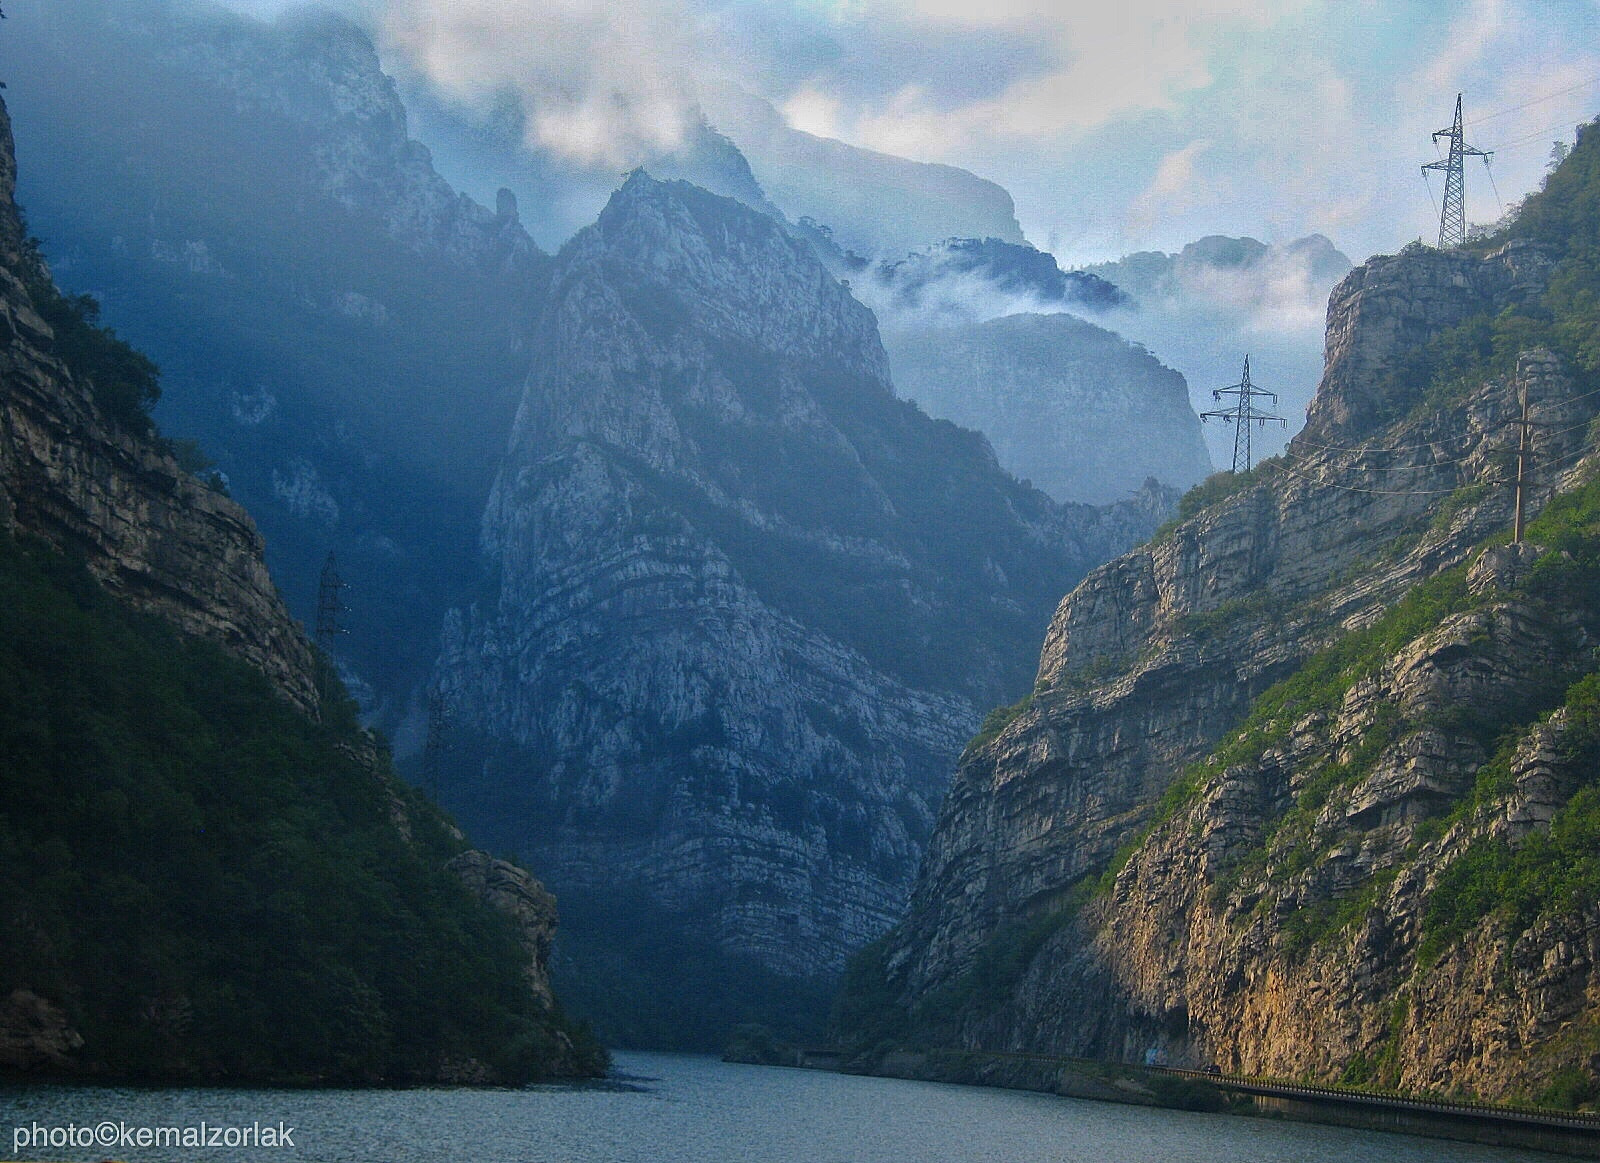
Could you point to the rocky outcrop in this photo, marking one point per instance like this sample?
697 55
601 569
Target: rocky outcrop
154 535
1263 750
510 890
35 1036
1070 407
744 603
1393 305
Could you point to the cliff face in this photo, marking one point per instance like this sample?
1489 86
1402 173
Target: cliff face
1071 407
187 797
154 535
744 604
1299 785
342 332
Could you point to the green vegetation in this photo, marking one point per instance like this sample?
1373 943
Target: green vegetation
1216 488
1550 872
213 887
125 383
1318 686
869 1016
997 721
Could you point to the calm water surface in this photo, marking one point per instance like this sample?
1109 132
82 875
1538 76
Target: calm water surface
664 1108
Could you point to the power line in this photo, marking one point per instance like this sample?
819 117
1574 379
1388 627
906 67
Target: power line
1535 101
329 603
1525 138
1462 459
440 713
1299 439
1375 492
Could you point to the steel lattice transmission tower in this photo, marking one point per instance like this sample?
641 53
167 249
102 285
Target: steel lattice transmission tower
329 604
1242 413
1453 214
433 749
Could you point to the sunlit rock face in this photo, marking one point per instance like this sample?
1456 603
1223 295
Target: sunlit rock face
1270 904
743 606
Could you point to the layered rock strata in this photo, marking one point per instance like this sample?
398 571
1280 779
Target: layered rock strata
1338 628
745 605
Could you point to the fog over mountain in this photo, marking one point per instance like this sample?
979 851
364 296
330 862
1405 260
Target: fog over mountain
1219 299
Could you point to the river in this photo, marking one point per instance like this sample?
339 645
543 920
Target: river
666 1108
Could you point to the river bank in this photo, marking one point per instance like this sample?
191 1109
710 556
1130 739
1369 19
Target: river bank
1556 1132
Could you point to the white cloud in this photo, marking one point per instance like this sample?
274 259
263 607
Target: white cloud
1176 187
600 82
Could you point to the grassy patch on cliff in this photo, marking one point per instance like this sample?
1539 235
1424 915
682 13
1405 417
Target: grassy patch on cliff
995 722
1318 687
211 886
1215 489
1552 871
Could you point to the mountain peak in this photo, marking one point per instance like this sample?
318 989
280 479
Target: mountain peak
743 274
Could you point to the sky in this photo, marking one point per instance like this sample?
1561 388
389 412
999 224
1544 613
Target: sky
1139 124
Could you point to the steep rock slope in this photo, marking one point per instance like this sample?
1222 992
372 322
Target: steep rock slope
1071 407
151 533
743 604
209 871
1307 785
341 331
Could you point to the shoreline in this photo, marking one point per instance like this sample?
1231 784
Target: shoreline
1128 1084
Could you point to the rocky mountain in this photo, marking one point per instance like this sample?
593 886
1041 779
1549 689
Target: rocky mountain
1306 786
1074 409
210 871
341 331
1153 275
741 604
978 332
967 279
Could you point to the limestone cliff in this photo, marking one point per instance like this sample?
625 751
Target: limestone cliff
743 604
1304 782
153 534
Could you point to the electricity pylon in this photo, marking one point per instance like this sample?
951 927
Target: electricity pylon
433 749
1242 413
329 603
1453 215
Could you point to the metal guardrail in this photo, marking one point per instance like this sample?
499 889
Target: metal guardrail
1282 1088
1544 1116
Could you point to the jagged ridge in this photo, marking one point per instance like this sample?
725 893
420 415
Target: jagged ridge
745 604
